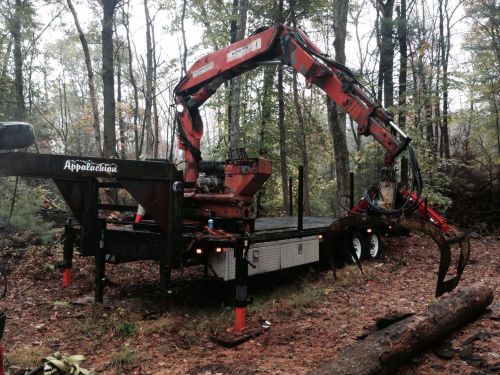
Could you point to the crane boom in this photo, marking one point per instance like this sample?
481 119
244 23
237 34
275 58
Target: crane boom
291 47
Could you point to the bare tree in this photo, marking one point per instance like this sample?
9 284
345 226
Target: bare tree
16 23
133 82
387 51
108 78
121 120
90 75
301 123
148 94
445 15
266 112
336 116
236 82
281 125
184 42
155 115
403 67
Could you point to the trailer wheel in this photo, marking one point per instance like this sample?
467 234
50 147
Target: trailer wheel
373 246
357 244
16 135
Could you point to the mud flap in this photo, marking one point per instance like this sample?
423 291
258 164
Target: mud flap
333 237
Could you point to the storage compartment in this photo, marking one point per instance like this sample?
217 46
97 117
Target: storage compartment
268 256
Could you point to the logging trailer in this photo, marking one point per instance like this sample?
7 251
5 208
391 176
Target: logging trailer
205 213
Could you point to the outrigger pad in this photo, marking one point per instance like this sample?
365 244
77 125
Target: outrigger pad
230 340
16 135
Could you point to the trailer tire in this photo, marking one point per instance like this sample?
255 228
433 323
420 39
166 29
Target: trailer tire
16 135
373 245
357 243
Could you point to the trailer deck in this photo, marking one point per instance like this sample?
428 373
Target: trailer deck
288 223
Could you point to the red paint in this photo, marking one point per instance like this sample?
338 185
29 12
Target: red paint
220 62
139 214
1 358
360 208
239 320
66 277
242 179
427 213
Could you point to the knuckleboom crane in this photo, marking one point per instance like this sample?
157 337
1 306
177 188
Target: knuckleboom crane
241 176
224 190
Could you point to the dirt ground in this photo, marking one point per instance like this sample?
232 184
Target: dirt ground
312 316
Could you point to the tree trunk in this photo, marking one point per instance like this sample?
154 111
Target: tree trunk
233 30
148 95
133 82
234 135
497 119
302 144
384 351
108 78
403 66
380 74
184 42
337 117
121 121
387 52
90 75
301 122
427 110
18 61
156 116
445 53
266 111
30 82
282 131
5 60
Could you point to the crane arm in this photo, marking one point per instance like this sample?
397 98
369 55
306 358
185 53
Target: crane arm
291 47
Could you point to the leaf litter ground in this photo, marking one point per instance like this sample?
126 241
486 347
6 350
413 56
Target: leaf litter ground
312 316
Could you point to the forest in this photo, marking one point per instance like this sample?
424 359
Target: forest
97 79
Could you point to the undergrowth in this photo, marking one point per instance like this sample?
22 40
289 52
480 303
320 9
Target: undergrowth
25 215
123 359
27 356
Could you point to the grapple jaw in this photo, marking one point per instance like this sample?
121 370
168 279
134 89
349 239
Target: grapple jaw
444 243
336 232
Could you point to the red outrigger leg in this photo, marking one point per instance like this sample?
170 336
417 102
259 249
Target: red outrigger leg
3 318
239 321
66 277
241 286
69 240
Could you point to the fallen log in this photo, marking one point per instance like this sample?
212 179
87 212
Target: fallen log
386 350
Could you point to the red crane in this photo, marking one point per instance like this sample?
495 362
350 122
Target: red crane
225 189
